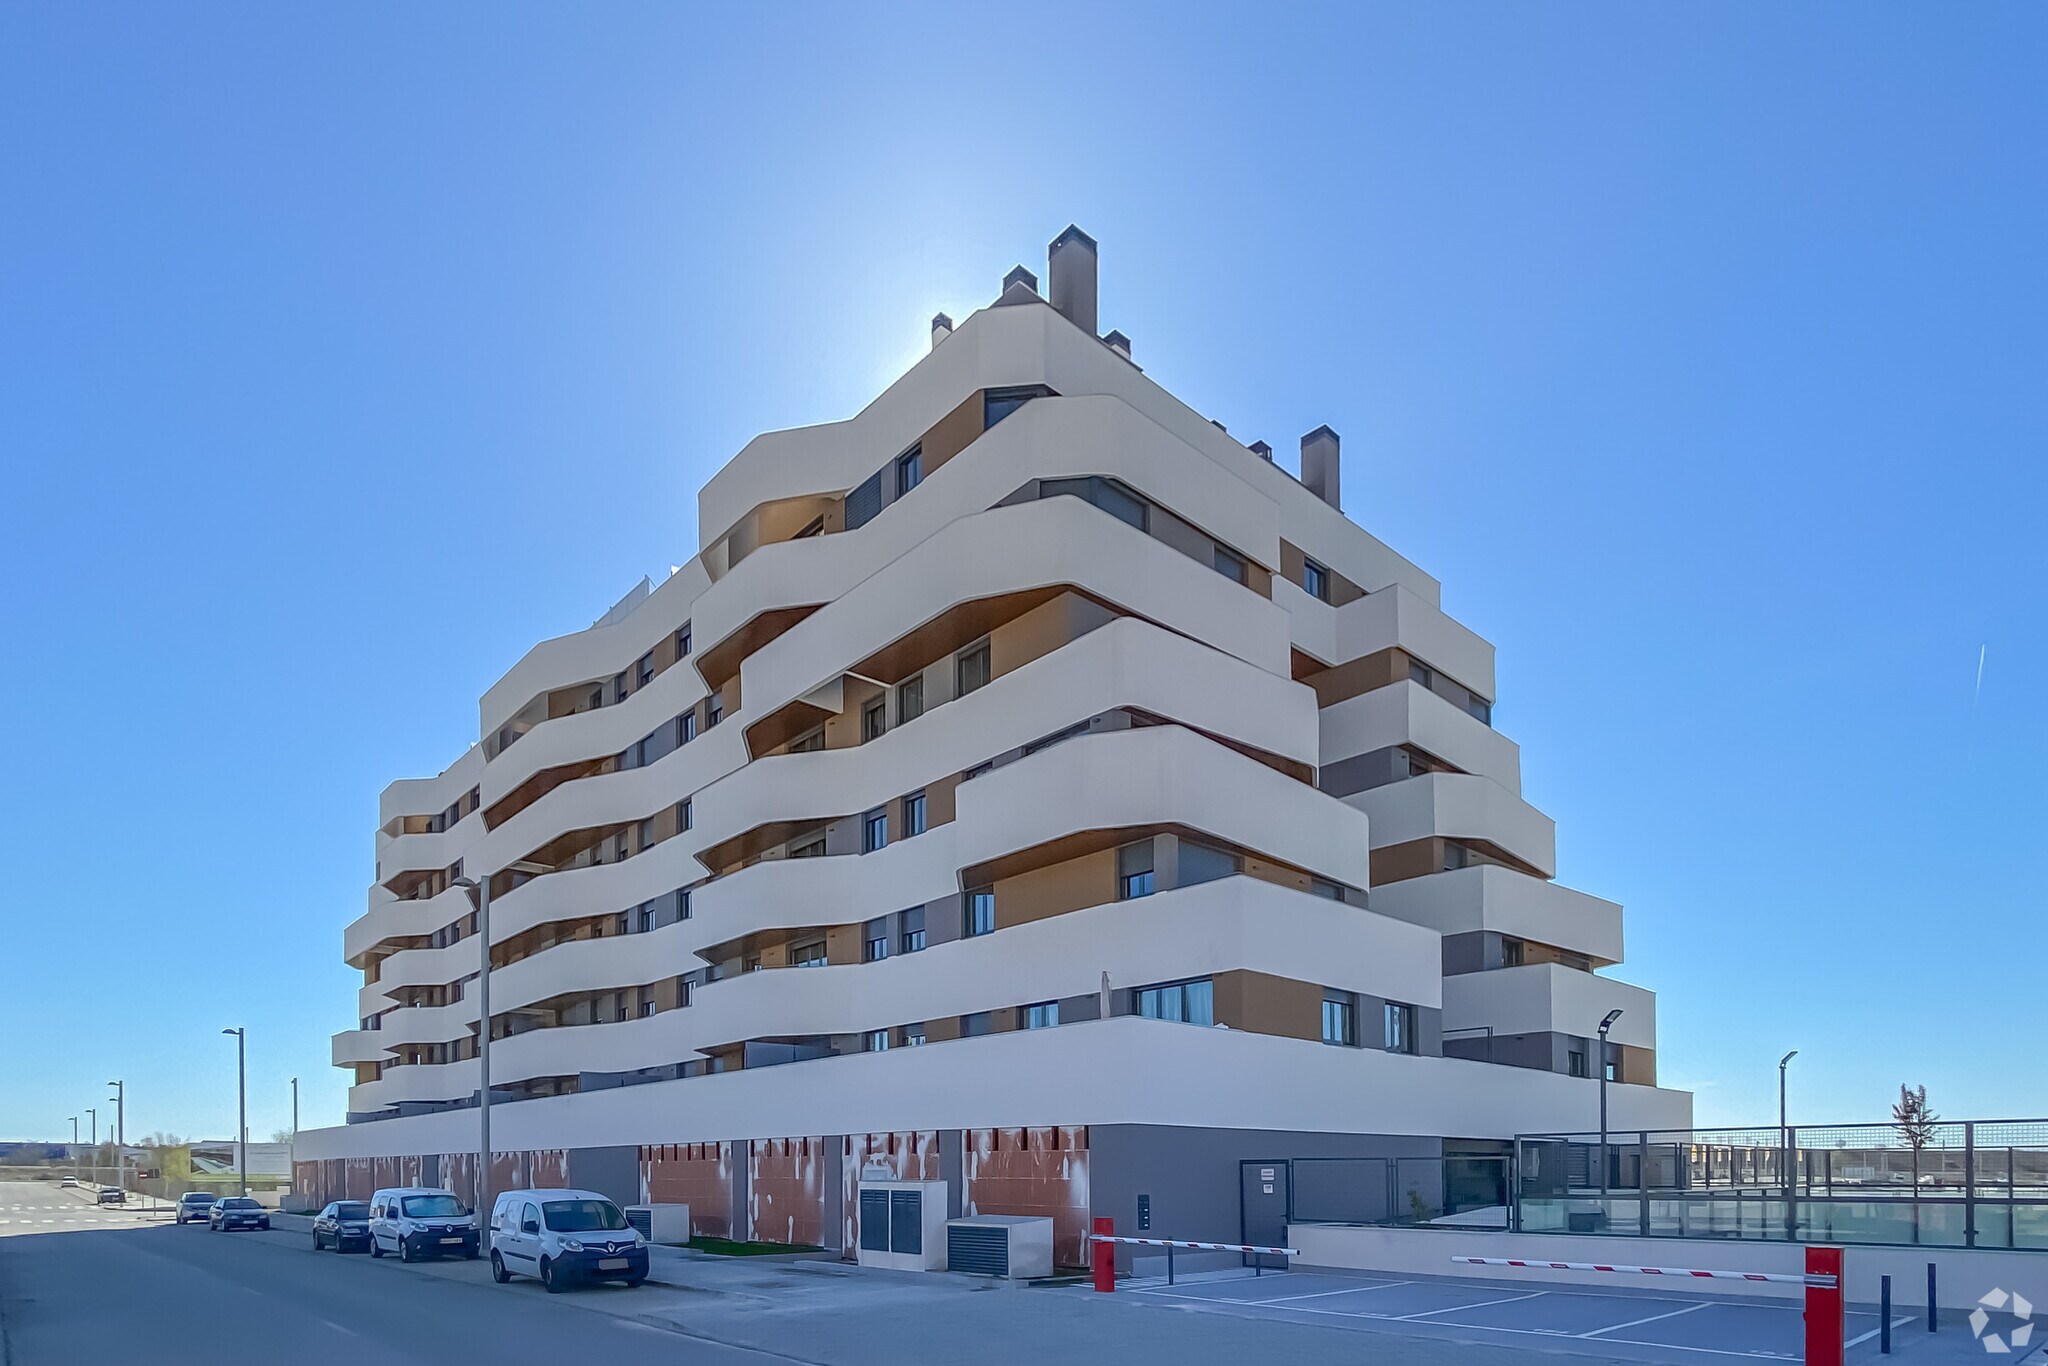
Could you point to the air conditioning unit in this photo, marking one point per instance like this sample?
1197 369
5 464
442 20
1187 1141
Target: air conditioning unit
1015 1246
668 1224
902 1225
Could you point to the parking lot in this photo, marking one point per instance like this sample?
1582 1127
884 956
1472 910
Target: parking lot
1609 1321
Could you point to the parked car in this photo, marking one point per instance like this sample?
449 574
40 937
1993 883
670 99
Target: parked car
343 1224
113 1195
237 1211
564 1236
68 1183
193 1206
422 1221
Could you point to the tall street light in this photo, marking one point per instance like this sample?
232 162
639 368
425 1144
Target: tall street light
74 1147
295 1132
95 1143
1605 1025
120 1099
242 1100
480 891
1784 1133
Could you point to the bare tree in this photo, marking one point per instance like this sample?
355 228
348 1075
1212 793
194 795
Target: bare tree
1914 1120
280 1135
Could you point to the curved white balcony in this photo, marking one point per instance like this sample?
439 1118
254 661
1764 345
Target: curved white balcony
418 968
1546 998
1409 714
1383 620
394 917
596 734
428 850
352 1046
1235 923
1125 663
1489 897
1049 543
1459 806
430 1024
425 796
418 1082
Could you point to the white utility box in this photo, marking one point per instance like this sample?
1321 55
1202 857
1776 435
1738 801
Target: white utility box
667 1224
903 1225
1017 1246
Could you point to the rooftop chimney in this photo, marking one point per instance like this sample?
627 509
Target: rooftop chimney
1262 450
1119 343
1020 286
1218 425
1070 261
942 328
1320 466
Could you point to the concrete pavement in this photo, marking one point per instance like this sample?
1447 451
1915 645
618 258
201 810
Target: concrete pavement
148 1292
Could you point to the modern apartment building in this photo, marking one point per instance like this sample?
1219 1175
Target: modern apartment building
1027 785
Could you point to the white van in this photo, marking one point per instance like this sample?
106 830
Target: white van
563 1236
421 1221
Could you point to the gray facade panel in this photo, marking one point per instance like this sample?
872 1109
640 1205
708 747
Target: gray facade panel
613 1172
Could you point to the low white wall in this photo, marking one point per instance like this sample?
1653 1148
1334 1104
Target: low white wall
1962 1274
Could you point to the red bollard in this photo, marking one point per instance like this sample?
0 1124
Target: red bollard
1825 1307
1105 1257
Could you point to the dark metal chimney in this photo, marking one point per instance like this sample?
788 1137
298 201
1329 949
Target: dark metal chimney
942 328
1070 261
1119 343
1263 451
1321 467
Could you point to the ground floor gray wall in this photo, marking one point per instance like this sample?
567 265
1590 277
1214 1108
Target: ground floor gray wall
612 1172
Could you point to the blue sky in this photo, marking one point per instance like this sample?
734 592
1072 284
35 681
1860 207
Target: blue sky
344 353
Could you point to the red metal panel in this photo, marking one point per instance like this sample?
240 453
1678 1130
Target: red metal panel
786 1190
695 1174
1039 1171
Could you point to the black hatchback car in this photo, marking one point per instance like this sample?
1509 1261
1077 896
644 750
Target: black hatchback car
237 1211
342 1225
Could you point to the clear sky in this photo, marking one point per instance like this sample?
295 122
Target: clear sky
345 352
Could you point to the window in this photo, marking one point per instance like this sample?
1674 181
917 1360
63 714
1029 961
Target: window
910 699
874 831
811 955
1511 951
1479 708
1400 1027
808 744
1044 1015
646 1009
1134 874
596 697
970 670
1613 1062
682 991
1340 1018
864 502
714 711
620 846
646 833
981 912
875 941
1229 565
1315 580
1575 1062
623 925
1200 863
1418 672
619 688
650 916
644 670
913 929
997 404
1186 1002
874 720
875 1041
909 470
1323 888
975 1025
1107 494
683 641
813 848
1456 856
913 815
683 904
913 1035
685 814
688 723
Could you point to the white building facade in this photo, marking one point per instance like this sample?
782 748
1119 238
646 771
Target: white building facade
1027 785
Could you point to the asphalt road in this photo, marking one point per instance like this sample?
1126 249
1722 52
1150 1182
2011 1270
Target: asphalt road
115 1288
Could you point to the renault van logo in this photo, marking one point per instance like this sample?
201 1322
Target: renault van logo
1980 1319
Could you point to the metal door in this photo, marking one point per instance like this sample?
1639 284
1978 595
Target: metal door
1263 1204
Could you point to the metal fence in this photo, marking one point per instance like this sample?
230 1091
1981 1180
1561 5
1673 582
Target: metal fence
1470 1190
1968 1183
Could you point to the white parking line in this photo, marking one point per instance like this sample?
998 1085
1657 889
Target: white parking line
1617 1327
1865 1337
1318 1294
1456 1308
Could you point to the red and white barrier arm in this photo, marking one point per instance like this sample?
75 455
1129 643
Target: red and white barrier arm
1786 1278
1202 1247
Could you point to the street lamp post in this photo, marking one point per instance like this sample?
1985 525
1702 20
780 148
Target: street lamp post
480 888
120 1099
95 1143
1784 1131
242 1101
295 1132
74 1147
1605 1025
